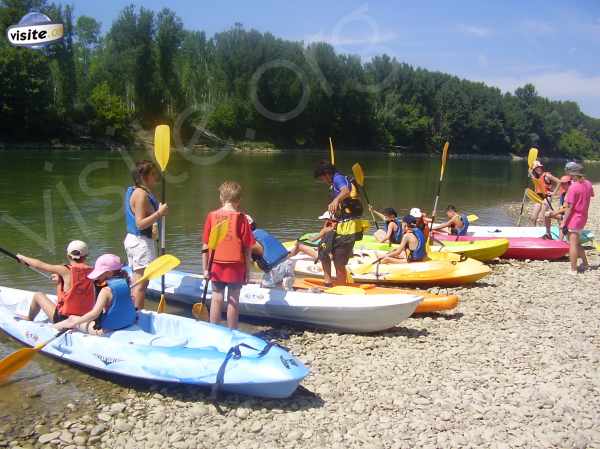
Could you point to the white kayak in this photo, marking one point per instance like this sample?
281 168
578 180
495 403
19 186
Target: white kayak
165 348
351 313
508 232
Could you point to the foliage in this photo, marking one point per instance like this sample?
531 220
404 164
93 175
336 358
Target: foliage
111 115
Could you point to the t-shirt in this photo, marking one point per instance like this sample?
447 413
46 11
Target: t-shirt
338 182
579 196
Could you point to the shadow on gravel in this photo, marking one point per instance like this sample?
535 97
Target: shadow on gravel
441 316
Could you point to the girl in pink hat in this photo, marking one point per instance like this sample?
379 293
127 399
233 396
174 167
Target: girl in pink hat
114 307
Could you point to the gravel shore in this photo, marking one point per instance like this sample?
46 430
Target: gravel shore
515 365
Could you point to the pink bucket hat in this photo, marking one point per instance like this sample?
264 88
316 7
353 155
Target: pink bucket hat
105 263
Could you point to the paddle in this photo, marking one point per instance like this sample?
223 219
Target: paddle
359 177
162 143
531 158
217 234
439 189
331 153
534 197
14 256
20 358
472 218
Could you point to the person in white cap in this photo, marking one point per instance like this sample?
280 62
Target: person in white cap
546 185
74 291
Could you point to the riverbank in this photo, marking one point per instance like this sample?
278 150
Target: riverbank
515 365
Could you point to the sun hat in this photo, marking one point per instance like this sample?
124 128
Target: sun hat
77 249
416 212
326 216
565 179
104 264
409 219
575 170
537 164
570 165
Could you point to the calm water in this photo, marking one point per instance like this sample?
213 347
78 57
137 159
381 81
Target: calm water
48 198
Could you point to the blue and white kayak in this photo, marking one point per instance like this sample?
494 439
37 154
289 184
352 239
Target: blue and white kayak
164 348
347 312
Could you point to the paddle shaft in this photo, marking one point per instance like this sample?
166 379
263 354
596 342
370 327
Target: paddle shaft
369 204
14 256
211 258
163 233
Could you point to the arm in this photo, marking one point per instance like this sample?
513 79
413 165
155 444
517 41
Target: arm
400 249
333 206
103 299
59 270
390 230
554 180
376 213
142 210
447 224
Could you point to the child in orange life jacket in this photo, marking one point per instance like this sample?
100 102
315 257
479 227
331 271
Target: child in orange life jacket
565 183
546 186
232 258
114 308
75 292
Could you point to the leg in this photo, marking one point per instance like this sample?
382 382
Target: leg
233 306
573 249
535 214
548 224
41 302
326 265
138 293
380 235
304 249
216 305
341 275
581 253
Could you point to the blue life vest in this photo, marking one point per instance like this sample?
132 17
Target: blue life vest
465 227
419 253
396 237
121 312
130 217
273 251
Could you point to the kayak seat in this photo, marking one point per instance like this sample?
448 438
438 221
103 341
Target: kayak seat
163 341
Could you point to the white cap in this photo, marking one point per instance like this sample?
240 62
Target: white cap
77 249
537 164
325 216
416 212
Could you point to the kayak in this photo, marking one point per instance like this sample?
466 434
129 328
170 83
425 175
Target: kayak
164 348
350 313
508 232
432 272
533 248
484 250
431 302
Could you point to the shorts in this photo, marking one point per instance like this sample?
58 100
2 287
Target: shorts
140 251
57 317
218 286
339 247
278 274
574 231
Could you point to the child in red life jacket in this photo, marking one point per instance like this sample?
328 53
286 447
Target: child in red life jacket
75 292
232 259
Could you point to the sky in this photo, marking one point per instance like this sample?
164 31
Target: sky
553 44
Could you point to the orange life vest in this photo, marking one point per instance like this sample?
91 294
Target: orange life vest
230 249
542 185
80 298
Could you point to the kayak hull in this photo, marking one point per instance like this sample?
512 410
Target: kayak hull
510 232
348 313
163 348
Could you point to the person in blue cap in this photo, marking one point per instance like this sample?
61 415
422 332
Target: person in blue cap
412 248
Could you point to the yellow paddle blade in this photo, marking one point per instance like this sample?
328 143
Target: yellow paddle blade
15 361
597 246
162 305
532 157
472 218
345 290
331 151
217 234
200 312
162 145
444 159
158 267
359 174
533 196
364 268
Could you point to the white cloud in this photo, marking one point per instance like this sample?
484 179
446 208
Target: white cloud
474 30
336 39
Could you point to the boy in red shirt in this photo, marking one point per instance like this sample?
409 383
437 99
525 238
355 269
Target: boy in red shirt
232 261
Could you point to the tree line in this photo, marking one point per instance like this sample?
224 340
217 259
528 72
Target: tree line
245 85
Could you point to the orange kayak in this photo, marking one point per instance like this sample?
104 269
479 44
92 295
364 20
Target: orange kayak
431 302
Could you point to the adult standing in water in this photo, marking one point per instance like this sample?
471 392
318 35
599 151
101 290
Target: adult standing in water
346 207
142 214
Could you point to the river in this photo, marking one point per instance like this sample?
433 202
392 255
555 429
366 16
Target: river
51 197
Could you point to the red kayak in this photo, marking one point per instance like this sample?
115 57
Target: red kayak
533 248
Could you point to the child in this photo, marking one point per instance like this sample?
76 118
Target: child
565 183
142 213
392 231
114 307
412 247
75 292
232 262
546 185
457 223
423 221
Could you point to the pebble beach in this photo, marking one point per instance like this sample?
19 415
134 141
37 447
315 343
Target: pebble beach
514 365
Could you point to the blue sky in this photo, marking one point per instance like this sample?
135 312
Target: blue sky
553 44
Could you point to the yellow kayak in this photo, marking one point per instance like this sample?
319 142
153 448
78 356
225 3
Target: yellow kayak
431 272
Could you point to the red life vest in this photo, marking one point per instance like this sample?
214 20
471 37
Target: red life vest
230 249
542 185
80 298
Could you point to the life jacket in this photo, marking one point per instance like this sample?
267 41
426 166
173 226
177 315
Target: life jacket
130 216
423 227
419 253
350 207
121 312
273 251
352 227
80 298
541 184
230 249
465 228
396 236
